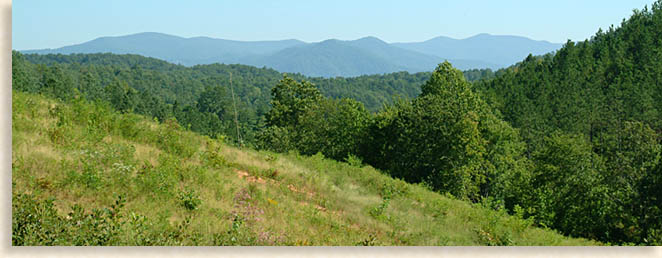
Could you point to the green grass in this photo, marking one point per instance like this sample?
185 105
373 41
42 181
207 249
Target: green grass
83 174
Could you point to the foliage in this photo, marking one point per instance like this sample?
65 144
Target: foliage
441 137
567 185
37 222
278 199
290 99
301 119
569 140
189 199
598 100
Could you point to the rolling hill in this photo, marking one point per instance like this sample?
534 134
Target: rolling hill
501 51
329 58
178 50
83 174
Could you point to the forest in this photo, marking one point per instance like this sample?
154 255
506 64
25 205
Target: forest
571 140
198 97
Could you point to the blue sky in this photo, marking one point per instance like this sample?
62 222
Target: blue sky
40 24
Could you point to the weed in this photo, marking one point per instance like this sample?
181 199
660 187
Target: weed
354 161
394 188
94 153
378 211
237 234
171 139
59 135
129 126
270 173
523 223
189 199
157 180
493 232
271 158
244 205
370 241
213 159
491 239
36 222
139 226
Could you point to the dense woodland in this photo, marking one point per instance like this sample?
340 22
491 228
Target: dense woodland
199 97
590 118
571 139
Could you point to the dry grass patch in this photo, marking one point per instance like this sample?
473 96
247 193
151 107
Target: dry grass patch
245 157
148 153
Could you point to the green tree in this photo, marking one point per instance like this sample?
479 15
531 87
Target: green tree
57 83
448 138
630 169
122 97
214 100
335 128
22 75
445 82
568 188
290 99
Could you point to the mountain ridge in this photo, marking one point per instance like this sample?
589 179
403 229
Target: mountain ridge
328 58
499 49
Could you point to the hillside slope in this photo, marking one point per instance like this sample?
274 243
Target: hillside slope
83 174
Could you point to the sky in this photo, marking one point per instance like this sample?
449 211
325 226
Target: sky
38 24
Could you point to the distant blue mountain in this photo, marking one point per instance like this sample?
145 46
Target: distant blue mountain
174 49
499 50
328 58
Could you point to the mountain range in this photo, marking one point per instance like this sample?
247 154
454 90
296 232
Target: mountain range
328 58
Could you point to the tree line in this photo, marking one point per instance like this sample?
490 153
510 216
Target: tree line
198 97
571 139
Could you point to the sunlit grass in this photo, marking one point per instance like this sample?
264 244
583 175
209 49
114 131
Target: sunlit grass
246 197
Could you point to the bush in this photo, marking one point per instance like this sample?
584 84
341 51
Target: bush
189 199
213 159
171 139
36 222
394 188
354 161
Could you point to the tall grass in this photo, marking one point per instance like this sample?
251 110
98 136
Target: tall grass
83 174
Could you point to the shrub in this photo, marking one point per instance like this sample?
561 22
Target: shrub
36 222
213 159
354 161
189 199
171 139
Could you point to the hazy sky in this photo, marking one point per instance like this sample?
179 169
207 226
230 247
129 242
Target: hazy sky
40 24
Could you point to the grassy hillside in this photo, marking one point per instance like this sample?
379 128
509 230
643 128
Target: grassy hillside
83 174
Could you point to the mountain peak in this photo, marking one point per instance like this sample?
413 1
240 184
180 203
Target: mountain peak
150 34
370 39
332 57
482 35
330 41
